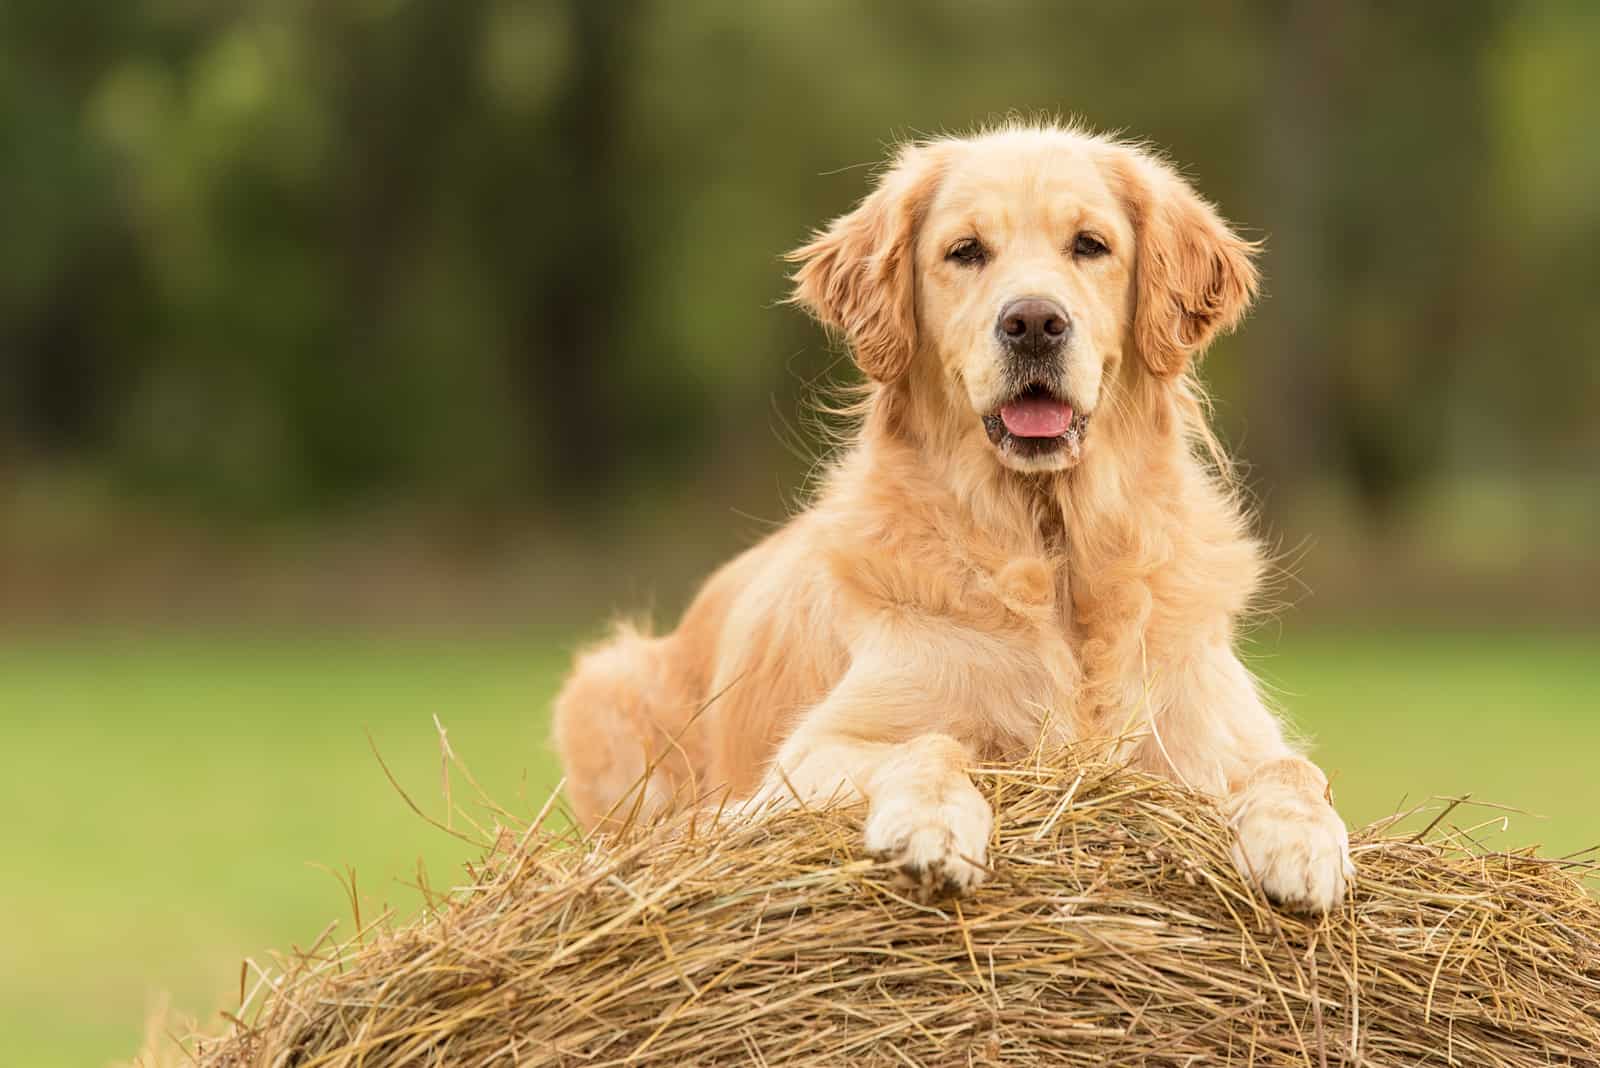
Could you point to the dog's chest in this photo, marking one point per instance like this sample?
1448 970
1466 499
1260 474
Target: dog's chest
1036 592
1040 674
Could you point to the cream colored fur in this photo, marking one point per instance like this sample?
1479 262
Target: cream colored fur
940 602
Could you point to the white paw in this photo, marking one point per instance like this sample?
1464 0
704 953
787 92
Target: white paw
939 846
1294 846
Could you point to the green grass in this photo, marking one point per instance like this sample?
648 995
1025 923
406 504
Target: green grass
169 798
1399 718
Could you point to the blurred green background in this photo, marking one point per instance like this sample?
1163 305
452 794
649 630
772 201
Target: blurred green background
359 357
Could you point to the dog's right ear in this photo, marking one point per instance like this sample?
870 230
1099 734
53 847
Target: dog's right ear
858 277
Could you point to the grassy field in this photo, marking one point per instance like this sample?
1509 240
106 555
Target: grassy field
172 800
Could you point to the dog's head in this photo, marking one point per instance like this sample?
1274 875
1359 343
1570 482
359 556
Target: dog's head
1014 270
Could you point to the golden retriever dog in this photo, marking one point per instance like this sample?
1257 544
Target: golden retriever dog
1032 538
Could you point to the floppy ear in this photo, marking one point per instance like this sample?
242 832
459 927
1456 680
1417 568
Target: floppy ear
857 276
1194 277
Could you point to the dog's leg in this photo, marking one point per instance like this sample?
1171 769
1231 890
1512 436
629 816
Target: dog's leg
619 726
927 818
924 815
1288 836
1211 730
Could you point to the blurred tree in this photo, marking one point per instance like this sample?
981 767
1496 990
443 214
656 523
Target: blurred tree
1372 171
67 246
1290 369
280 257
554 232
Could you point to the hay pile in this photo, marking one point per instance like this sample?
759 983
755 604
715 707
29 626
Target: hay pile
1114 931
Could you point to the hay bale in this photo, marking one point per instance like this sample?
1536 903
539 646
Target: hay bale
1114 930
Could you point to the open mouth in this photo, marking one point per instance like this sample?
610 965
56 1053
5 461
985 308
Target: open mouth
1037 423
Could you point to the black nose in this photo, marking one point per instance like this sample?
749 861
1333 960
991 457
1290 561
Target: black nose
1034 324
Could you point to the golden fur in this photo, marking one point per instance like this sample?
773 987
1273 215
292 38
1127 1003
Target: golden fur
941 600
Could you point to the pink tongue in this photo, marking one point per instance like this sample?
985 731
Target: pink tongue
1036 417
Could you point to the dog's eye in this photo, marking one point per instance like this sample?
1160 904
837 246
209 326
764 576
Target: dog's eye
1089 246
969 252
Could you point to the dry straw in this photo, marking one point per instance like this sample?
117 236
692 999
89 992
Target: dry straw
1113 930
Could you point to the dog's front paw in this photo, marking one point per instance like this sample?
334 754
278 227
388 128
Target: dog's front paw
1294 846
940 847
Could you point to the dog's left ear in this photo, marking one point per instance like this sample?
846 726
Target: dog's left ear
1195 277
858 275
